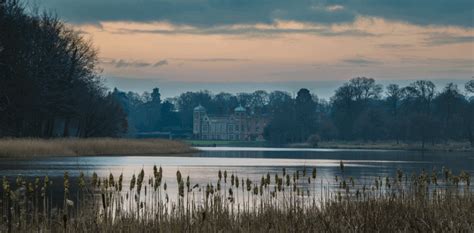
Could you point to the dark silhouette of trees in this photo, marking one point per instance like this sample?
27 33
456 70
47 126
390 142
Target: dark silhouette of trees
350 100
49 82
305 114
357 111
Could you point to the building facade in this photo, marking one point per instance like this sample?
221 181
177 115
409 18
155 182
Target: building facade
239 126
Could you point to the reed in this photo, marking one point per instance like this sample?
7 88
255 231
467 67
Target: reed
32 147
434 201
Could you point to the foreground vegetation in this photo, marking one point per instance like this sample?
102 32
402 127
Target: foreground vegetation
291 201
28 147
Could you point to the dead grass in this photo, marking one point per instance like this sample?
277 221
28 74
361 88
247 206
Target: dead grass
30 147
439 201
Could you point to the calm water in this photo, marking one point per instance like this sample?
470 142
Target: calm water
203 167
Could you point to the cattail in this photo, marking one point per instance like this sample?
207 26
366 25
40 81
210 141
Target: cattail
46 182
279 184
66 184
208 191
140 178
399 175
225 176
434 177
341 166
120 182
219 175
314 173
284 171
178 177
236 181
304 171
94 179
6 185
181 188
164 186
287 180
232 180
267 181
37 183
249 183
111 180
81 181
231 193
132 182
188 184
309 180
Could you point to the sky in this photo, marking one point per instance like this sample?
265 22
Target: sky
244 45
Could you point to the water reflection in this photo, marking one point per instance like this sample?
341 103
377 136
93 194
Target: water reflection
362 165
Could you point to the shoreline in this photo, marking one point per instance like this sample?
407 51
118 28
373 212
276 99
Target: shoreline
28 148
452 147
384 145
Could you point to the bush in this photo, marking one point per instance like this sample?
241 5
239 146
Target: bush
314 140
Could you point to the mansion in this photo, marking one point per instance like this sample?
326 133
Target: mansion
239 126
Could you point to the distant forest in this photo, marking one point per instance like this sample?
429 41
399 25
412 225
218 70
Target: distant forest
360 109
50 86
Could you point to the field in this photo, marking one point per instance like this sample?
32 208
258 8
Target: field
288 201
31 147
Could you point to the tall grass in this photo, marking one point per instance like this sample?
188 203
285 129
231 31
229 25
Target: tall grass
29 147
435 201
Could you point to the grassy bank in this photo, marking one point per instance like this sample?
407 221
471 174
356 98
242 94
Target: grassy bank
435 201
28 147
389 145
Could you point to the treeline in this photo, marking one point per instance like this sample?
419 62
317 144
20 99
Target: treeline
49 82
360 109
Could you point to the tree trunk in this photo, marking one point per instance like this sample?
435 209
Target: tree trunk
66 127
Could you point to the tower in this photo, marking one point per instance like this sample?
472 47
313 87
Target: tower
240 113
198 116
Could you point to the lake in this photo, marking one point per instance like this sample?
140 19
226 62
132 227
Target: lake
253 163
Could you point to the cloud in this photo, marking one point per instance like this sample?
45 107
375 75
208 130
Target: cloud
217 59
209 13
394 46
361 61
248 30
123 63
419 12
160 63
447 38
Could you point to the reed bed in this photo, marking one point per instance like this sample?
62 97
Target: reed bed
32 147
290 201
